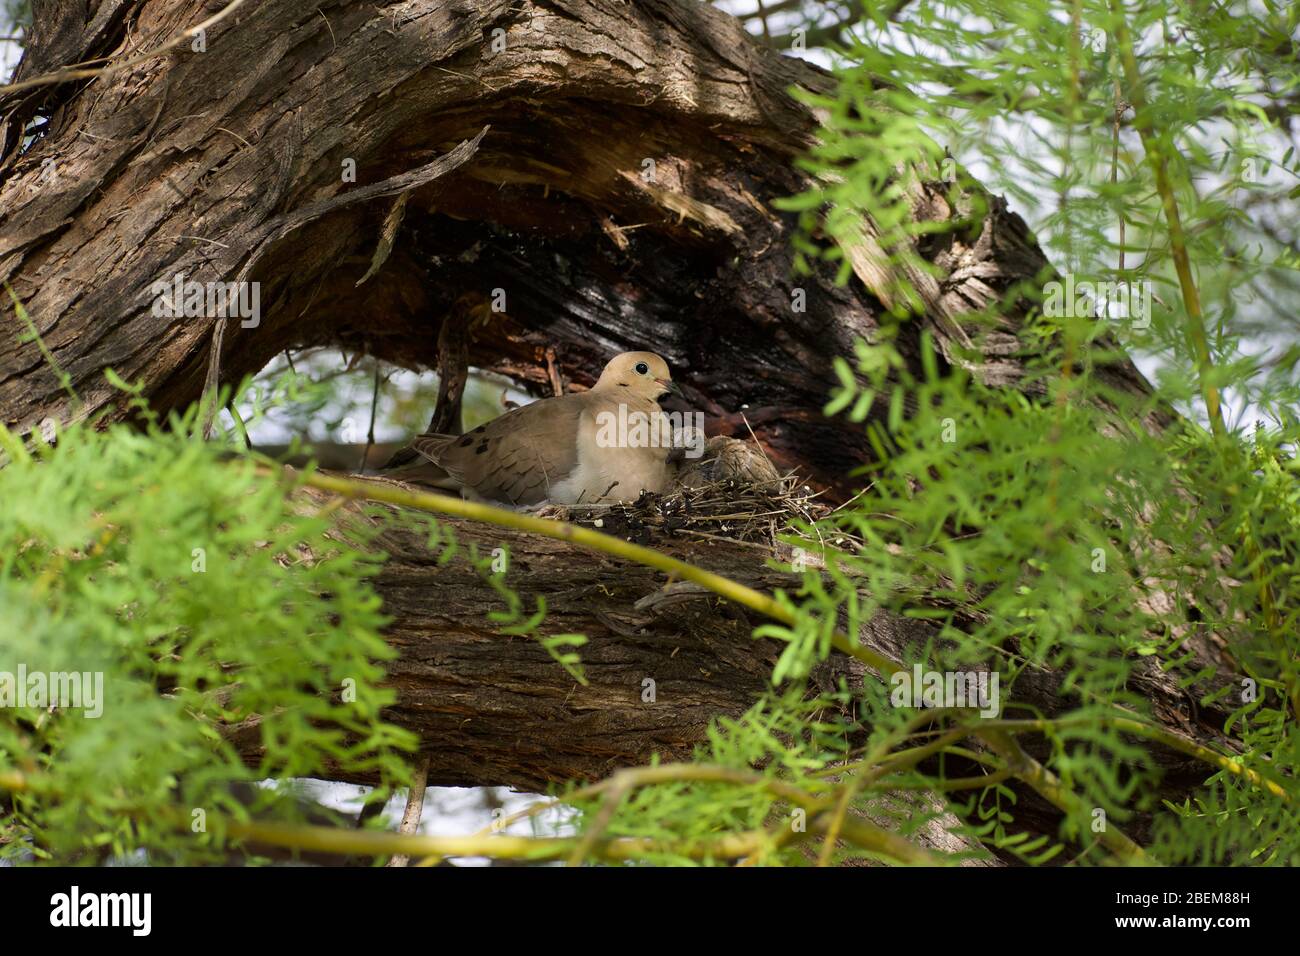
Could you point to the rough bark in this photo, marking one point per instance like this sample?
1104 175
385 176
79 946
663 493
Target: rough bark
228 163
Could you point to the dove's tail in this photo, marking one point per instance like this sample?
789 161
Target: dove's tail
417 463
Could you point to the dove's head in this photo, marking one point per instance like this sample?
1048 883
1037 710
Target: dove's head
644 374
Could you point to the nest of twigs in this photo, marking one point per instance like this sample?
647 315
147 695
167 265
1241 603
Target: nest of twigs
728 509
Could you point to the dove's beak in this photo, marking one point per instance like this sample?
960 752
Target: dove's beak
670 386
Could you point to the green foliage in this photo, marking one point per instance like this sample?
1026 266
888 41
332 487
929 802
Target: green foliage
205 598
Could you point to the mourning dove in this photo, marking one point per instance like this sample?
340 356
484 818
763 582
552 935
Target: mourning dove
596 447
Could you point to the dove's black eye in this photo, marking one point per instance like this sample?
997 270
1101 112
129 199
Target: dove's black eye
642 368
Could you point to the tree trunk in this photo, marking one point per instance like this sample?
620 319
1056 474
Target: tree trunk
621 197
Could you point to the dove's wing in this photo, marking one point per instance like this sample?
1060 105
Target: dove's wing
515 458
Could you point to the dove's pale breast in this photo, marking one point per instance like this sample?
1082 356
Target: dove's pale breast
608 471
